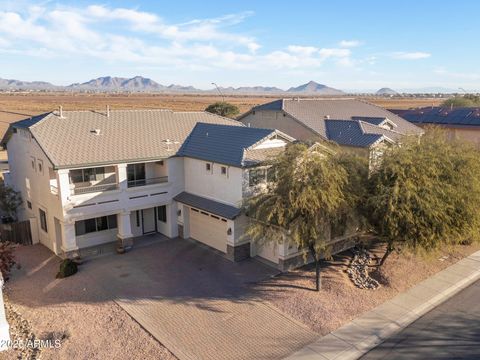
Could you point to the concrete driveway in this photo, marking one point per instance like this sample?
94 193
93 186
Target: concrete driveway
197 303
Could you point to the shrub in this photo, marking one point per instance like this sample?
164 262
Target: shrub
67 268
7 259
223 109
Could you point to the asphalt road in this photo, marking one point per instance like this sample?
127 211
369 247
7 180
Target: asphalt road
450 331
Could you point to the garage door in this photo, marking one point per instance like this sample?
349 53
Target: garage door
268 251
208 229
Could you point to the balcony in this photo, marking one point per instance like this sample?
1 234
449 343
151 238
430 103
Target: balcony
150 181
78 190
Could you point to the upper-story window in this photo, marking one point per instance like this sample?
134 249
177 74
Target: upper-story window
261 176
33 162
223 170
87 175
136 174
43 220
40 166
208 167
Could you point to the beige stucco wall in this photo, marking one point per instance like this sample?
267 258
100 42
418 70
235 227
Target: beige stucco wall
280 121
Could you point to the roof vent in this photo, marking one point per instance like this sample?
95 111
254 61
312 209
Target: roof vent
60 111
327 117
108 111
95 131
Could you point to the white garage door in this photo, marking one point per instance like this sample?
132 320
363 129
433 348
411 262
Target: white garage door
268 251
208 229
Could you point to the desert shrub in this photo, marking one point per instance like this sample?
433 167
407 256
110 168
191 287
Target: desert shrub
7 259
223 109
67 268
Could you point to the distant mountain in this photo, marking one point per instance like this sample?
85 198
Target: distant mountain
386 91
314 87
250 90
7 84
109 83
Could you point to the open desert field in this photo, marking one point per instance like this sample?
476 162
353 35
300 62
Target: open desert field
15 107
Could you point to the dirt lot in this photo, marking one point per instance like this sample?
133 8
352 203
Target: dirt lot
339 301
14 107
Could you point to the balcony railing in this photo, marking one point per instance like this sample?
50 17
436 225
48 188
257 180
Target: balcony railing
151 181
54 189
94 188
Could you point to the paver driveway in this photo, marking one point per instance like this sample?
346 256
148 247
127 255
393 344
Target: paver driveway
197 303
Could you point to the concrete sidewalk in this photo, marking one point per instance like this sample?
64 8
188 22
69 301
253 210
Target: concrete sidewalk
354 339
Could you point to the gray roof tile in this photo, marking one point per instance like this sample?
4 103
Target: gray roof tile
442 116
221 143
211 206
349 133
315 112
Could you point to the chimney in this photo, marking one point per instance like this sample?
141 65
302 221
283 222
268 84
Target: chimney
108 111
60 111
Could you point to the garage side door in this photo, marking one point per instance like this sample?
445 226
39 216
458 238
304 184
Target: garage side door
209 230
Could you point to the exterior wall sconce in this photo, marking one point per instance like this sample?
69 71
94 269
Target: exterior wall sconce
229 231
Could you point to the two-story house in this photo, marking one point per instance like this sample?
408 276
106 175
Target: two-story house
351 123
88 178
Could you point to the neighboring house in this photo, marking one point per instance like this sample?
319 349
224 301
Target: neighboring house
89 178
350 123
460 123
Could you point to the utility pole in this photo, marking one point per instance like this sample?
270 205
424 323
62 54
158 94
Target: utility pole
218 89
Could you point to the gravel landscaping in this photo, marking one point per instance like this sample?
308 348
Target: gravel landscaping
339 301
73 311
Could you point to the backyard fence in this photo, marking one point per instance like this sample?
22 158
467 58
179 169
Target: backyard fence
18 233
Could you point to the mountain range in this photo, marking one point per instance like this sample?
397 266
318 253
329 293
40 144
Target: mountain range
142 84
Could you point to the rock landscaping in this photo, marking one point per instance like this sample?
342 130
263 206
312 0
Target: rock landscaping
359 270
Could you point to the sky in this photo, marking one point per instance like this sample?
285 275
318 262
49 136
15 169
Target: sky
351 45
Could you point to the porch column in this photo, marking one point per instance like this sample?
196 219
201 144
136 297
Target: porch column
124 234
172 219
69 241
186 221
122 176
63 183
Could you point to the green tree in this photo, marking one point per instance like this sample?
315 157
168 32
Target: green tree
10 200
468 100
304 202
223 109
425 194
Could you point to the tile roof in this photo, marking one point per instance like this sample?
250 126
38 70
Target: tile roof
442 116
227 145
123 136
349 133
314 113
211 206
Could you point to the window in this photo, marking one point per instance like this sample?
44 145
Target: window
136 174
29 204
261 176
87 175
43 220
256 176
40 166
271 175
137 215
33 163
223 170
162 213
208 167
102 223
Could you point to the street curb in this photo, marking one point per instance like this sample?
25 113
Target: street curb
347 343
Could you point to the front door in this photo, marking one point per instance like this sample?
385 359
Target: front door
149 224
